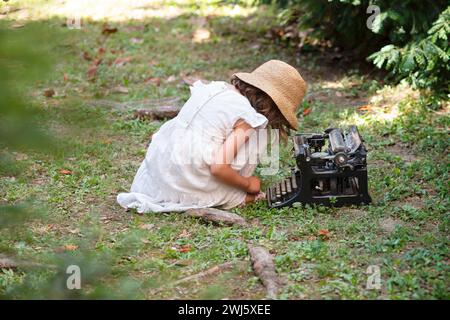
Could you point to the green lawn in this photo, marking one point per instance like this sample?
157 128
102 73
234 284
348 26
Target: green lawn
125 255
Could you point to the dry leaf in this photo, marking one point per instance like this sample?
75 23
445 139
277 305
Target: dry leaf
324 233
306 111
122 60
148 226
184 234
201 35
366 107
70 247
137 40
107 30
185 248
20 156
66 77
18 25
96 61
86 56
156 81
120 89
189 80
171 78
49 93
65 171
92 71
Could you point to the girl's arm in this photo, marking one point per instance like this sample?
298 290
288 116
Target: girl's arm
221 168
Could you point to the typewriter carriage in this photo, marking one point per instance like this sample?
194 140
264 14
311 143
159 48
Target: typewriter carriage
331 170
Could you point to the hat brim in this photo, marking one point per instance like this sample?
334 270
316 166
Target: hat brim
265 86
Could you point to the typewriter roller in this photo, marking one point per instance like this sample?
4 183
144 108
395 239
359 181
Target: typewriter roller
331 169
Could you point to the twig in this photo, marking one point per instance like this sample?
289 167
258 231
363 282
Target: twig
264 268
202 274
217 216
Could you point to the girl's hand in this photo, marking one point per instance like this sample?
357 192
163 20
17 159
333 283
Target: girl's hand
254 185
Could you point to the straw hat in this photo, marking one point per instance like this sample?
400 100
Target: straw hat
282 82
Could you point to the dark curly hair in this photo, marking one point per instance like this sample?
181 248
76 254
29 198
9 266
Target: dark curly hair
263 104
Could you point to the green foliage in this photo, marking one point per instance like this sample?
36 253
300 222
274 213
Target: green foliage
423 63
408 38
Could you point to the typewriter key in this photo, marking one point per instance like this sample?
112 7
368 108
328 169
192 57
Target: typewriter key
294 180
278 190
272 194
288 185
283 187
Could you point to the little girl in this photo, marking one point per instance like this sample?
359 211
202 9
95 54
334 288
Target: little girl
191 161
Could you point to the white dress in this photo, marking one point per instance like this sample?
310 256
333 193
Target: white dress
175 174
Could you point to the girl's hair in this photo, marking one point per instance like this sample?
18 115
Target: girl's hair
263 104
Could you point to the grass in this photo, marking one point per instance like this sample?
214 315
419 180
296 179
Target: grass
126 255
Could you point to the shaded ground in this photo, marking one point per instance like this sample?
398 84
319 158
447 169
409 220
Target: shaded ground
151 56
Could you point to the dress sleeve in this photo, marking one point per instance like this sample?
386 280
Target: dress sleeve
242 109
254 119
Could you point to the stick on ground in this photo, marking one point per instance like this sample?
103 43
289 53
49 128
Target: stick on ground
157 113
264 268
217 216
209 272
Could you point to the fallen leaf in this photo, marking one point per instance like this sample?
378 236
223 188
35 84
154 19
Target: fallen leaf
185 248
97 61
18 25
107 30
366 107
184 234
306 111
156 81
66 77
92 71
135 28
190 80
120 61
101 50
70 247
147 226
171 78
201 35
20 156
137 40
86 56
65 171
120 89
338 94
324 233
49 93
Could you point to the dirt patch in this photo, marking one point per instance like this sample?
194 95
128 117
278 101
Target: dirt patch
414 201
402 151
336 97
388 225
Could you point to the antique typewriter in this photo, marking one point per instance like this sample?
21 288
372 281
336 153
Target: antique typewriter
330 170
